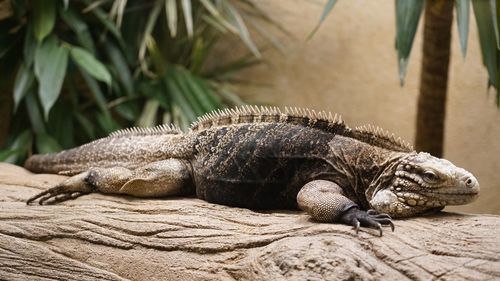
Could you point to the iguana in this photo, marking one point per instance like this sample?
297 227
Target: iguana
265 158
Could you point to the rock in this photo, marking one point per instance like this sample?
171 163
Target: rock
117 238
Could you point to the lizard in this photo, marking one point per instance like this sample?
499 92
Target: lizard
266 158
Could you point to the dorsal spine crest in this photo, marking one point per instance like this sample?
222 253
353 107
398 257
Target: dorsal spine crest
158 130
320 120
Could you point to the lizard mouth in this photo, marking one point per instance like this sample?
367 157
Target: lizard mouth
435 198
453 198
411 191
451 194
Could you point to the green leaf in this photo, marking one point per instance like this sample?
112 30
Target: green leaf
150 24
24 81
128 110
148 116
97 93
407 18
462 7
155 54
497 8
89 63
210 7
5 154
218 20
107 123
79 27
46 143
188 16
85 124
214 23
34 113
269 36
198 55
203 94
29 46
44 18
21 146
171 12
496 25
178 98
237 21
180 118
215 100
182 86
156 91
60 124
122 68
328 8
487 37
102 16
231 68
51 61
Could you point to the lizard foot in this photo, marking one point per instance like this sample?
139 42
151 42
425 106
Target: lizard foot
370 218
69 189
54 195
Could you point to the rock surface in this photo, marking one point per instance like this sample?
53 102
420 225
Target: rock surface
123 238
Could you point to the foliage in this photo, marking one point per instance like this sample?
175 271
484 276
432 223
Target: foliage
86 68
408 14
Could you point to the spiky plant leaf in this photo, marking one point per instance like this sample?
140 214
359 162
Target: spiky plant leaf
487 37
407 18
326 11
462 8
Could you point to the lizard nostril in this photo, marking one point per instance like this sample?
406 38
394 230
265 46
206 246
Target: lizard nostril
469 182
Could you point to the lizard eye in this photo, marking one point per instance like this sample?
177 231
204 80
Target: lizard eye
430 176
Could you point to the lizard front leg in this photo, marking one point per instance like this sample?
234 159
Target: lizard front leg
157 179
324 201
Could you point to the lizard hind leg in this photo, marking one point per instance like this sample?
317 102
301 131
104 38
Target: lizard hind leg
156 179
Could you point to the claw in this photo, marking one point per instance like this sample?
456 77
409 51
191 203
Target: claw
68 189
39 195
370 218
383 216
357 225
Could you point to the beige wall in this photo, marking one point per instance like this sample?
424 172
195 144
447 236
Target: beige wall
350 67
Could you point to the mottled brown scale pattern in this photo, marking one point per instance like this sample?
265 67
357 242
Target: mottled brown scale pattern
264 164
265 158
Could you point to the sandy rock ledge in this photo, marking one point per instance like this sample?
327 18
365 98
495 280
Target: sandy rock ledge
123 238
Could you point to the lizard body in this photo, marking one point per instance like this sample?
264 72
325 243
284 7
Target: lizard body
263 158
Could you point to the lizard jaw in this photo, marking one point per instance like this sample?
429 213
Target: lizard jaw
413 191
400 203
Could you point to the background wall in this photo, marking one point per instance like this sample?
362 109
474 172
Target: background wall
350 67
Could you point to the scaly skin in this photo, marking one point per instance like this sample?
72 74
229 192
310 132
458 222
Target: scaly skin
266 159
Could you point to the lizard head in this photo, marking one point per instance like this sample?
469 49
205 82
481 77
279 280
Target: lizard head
423 183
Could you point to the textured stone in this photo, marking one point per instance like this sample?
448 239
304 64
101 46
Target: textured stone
119 238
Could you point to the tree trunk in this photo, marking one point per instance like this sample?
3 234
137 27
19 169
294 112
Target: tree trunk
6 104
99 237
434 77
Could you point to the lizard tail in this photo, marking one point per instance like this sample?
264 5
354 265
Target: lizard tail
42 163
